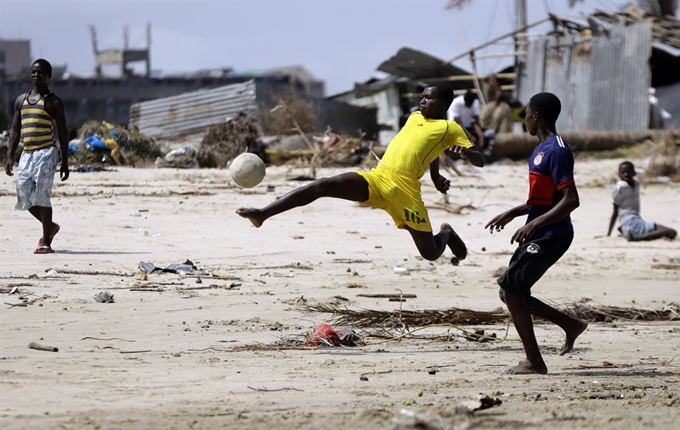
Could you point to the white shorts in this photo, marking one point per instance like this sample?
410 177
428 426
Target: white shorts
35 177
635 227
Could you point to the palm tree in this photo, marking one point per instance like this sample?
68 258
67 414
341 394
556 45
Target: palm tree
653 7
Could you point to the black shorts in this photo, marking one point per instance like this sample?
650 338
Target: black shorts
530 261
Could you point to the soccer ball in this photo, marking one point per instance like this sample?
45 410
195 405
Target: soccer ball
247 170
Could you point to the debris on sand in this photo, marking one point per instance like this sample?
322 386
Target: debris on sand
226 140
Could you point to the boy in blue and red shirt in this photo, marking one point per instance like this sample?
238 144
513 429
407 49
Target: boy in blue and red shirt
545 237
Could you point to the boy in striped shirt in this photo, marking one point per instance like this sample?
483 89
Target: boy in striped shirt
34 116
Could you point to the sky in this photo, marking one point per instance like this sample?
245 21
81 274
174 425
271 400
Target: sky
339 41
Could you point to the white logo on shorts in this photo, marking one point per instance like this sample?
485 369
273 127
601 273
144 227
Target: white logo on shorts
533 248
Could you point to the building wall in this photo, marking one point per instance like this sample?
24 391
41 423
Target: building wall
388 108
15 57
189 115
109 99
602 81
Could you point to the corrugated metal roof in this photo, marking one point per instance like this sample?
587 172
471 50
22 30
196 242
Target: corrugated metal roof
602 80
189 115
414 64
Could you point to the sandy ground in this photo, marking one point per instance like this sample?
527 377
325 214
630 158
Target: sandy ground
190 378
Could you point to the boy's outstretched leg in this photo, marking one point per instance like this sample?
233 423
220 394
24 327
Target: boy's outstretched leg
431 247
347 186
659 232
521 317
572 327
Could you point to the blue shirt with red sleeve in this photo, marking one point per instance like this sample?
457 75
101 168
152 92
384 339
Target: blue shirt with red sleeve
551 168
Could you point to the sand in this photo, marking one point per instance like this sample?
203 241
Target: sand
164 359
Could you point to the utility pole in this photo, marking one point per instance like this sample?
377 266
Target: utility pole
521 23
520 42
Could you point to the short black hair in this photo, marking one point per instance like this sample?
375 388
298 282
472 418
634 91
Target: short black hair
470 96
548 105
45 64
444 91
627 163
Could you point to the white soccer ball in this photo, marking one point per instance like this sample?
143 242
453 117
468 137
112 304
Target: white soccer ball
247 170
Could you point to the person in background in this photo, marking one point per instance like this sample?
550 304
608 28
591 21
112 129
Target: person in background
35 114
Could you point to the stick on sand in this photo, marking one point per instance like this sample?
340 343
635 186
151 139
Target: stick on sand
39 347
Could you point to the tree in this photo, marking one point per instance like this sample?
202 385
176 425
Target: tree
653 7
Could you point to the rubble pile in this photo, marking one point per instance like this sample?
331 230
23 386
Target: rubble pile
224 141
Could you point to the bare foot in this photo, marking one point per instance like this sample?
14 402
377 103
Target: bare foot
572 334
455 242
526 368
253 215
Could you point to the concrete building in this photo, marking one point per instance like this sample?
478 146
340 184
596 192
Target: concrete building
15 57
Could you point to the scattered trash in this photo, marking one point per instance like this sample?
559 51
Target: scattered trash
480 336
424 420
400 270
283 275
84 168
148 233
135 213
389 296
184 157
51 273
179 268
103 297
605 396
363 378
324 334
482 402
141 275
432 371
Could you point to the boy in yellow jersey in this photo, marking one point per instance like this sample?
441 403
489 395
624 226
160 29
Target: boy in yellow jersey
34 115
394 185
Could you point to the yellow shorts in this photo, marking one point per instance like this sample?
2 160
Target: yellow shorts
397 193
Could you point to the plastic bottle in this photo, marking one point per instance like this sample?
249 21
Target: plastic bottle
148 233
401 270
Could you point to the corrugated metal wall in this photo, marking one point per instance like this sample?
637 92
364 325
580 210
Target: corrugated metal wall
189 115
602 81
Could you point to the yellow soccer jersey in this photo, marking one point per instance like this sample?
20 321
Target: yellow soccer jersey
421 141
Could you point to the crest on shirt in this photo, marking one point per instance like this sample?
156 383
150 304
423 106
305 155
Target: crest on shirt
538 158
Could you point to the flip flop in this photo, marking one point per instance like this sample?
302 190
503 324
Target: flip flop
44 250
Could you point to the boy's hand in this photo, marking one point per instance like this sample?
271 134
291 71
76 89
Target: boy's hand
9 163
63 171
441 184
523 234
458 151
499 222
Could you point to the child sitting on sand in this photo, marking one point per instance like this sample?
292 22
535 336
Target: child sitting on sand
627 209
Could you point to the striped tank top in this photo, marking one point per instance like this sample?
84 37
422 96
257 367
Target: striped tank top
36 124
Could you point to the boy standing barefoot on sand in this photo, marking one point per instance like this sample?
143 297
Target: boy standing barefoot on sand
394 185
545 237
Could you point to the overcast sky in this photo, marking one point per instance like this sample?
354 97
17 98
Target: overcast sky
340 41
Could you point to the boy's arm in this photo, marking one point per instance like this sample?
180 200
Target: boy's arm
57 108
569 202
461 145
615 215
476 158
500 221
14 135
